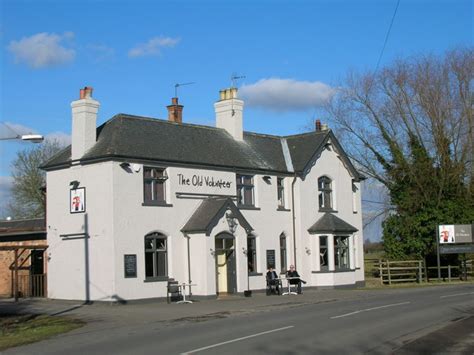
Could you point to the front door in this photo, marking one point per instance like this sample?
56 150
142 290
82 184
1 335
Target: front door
225 264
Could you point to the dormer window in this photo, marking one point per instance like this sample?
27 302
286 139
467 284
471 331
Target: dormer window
325 193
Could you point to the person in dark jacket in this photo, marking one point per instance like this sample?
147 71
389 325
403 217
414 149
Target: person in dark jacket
295 278
273 281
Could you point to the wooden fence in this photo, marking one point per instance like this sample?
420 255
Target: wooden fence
401 271
32 285
391 272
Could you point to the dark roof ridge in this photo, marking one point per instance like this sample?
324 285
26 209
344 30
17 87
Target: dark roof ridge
160 120
263 134
307 134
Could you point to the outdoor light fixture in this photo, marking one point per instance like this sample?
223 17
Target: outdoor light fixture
308 251
213 252
74 184
267 179
231 221
34 138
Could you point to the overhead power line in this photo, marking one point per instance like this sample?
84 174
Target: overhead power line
387 36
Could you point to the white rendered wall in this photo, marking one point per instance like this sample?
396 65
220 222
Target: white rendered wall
67 276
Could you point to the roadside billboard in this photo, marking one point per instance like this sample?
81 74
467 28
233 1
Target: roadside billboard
455 234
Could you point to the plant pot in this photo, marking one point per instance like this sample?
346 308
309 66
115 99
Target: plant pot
248 293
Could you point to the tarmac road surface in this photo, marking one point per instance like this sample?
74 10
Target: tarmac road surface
430 320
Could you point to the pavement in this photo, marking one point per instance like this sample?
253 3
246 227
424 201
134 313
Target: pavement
101 315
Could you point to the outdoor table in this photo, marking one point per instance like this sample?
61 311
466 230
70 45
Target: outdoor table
289 293
183 288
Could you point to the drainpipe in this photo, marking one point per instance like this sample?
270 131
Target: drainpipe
189 263
293 218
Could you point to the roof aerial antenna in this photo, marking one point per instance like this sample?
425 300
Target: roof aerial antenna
234 78
176 86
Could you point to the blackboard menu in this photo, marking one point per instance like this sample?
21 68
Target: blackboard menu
270 259
130 265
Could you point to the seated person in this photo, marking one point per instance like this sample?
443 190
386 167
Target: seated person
273 282
292 273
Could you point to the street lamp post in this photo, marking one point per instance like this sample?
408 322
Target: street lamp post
34 138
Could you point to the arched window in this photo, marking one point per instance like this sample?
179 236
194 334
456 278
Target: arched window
282 253
325 193
252 253
156 256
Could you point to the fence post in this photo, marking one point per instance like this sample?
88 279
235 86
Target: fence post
420 274
449 273
381 271
388 271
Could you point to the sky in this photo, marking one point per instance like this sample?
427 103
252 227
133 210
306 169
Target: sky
293 55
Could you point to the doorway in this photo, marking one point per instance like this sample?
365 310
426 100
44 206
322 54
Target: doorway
225 264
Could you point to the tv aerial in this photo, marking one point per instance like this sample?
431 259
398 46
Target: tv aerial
176 86
234 78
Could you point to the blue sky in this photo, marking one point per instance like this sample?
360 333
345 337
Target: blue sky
133 52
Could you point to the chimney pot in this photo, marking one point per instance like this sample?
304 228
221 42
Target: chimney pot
317 125
86 93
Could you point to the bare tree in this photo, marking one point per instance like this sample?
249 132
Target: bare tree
28 195
410 126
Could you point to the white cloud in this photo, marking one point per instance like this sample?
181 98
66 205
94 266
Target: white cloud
153 46
42 50
286 94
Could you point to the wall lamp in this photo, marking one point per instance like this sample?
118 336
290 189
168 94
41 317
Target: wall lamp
74 184
307 250
128 167
231 221
245 251
213 252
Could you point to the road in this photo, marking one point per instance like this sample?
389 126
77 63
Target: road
402 322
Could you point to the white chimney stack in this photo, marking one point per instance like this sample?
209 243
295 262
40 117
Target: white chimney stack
84 122
229 113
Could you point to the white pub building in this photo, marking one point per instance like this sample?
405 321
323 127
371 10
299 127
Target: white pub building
138 201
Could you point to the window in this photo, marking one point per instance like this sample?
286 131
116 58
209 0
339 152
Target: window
325 193
154 185
341 251
245 196
252 253
282 253
156 259
281 192
354 197
323 252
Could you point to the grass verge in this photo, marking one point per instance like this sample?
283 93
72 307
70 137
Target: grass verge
16 330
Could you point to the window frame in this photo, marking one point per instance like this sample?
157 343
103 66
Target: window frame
338 256
325 192
283 254
281 193
156 253
252 254
154 181
242 187
323 253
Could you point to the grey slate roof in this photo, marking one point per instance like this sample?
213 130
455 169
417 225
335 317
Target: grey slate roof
209 212
23 229
147 139
330 223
